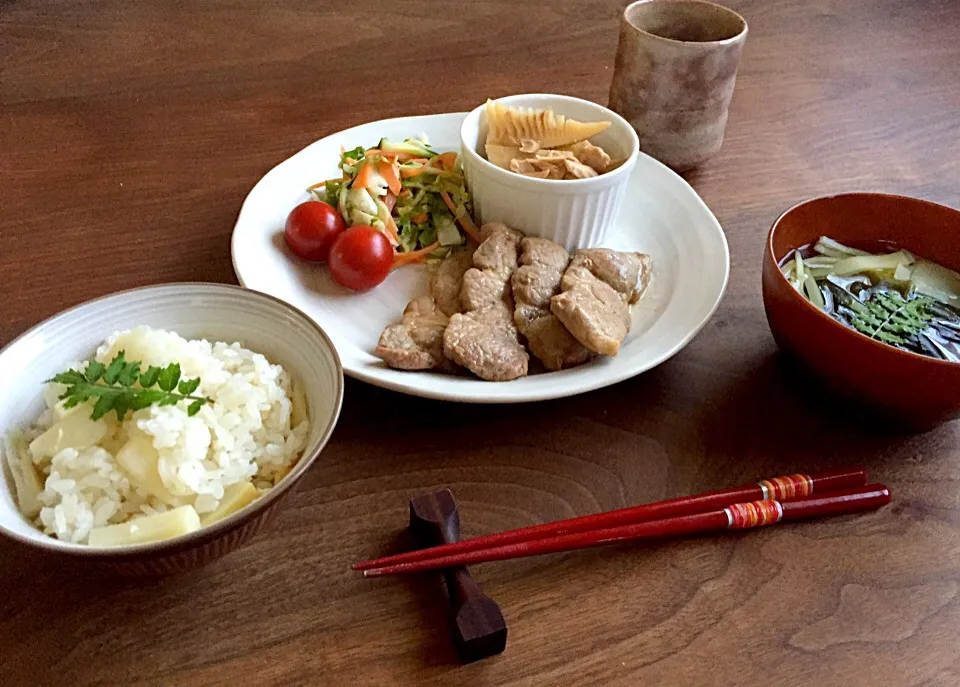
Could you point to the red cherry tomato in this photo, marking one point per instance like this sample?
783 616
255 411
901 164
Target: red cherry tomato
361 258
312 228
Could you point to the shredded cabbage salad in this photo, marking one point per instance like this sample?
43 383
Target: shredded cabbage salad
416 196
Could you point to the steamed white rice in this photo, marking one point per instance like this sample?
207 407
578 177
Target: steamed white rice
251 432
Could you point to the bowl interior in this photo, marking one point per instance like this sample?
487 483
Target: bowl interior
619 140
872 221
211 311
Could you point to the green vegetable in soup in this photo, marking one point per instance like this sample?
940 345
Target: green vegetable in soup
889 317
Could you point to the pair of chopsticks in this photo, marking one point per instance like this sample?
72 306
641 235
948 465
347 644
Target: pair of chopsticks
794 497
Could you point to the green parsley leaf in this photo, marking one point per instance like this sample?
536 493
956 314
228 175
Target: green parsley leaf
188 386
69 377
114 369
95 371
128 375
169 376
149 377
103 406
113 387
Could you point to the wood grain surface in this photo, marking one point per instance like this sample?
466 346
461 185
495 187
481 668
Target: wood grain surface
129 136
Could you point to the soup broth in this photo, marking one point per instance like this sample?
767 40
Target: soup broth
893 297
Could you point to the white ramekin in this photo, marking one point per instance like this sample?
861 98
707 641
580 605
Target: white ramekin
576 213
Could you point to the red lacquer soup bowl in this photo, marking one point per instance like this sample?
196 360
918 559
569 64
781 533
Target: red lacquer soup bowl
919 391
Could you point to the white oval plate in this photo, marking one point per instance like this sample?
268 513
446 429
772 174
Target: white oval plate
661 215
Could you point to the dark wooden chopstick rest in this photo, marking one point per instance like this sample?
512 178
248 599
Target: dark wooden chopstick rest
477 625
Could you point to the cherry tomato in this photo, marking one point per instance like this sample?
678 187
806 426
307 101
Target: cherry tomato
361 258
312 228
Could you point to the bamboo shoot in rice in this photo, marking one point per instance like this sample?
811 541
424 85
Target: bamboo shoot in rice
139 458
74 430
148 528
235 497
25 481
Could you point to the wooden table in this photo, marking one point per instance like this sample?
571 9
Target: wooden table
130 134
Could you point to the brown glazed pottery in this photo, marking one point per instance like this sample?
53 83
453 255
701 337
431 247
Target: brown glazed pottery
915 391
675 72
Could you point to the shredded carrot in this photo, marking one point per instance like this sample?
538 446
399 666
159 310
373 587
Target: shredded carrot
316 186
405 193
342 150
364 177
387 172
345 177
419 218
447 161
349 161
407 172
392 231
414 256
465 221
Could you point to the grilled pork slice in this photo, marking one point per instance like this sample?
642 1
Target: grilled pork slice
417 342
626 273
485 342
535 283
447 282
596 291
483 338
488 281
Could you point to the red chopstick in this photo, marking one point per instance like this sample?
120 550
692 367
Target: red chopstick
783 488
735 516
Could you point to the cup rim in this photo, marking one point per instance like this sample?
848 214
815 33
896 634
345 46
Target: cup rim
232 521
725 41
533 183
879 346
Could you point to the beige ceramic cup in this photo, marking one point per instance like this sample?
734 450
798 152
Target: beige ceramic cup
674 76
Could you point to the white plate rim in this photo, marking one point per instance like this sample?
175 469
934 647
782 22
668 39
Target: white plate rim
548 392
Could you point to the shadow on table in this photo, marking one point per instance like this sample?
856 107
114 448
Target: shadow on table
430 596
782 417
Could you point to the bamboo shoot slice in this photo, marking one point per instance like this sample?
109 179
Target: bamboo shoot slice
868 263
235 497
25 480
139 460
298 400
147 528
938 282
75 430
